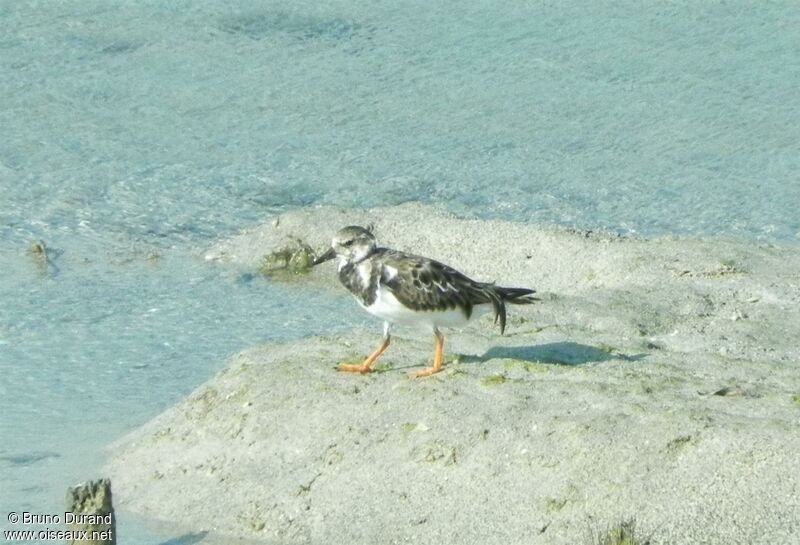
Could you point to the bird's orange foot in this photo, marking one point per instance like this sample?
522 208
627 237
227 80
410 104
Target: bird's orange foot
352 368
428 371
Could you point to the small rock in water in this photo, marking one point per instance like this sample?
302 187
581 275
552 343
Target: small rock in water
39 253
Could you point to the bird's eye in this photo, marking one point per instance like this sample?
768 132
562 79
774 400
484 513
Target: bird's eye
347 243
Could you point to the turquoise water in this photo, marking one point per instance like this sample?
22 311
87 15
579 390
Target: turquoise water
139 129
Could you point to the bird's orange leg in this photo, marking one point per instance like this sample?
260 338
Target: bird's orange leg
365 367
438 356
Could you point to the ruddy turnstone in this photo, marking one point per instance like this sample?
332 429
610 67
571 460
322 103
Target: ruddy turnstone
409 289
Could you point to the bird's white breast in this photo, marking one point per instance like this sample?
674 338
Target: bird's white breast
388 308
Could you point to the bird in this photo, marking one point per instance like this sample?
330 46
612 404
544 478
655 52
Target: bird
403 288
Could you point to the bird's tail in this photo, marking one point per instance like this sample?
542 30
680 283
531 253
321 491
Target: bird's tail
515 296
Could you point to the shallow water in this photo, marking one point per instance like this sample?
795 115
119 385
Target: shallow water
98 347
135 130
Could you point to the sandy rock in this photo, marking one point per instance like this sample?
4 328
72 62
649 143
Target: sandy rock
600 403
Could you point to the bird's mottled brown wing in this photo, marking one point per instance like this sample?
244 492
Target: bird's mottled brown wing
420 283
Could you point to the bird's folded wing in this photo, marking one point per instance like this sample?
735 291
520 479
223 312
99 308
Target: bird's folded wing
424 284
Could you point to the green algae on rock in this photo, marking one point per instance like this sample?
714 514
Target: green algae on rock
288 262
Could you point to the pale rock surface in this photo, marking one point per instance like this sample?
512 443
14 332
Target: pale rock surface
597 405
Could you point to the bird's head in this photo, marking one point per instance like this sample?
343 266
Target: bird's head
350 245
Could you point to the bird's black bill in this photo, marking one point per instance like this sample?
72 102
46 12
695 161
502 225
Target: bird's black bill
327 256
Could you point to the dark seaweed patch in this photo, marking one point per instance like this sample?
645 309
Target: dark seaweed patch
258 26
